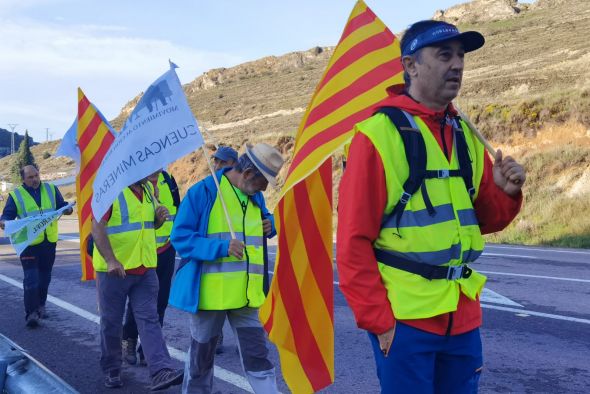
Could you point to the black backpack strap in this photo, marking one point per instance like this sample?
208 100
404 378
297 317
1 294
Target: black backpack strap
171 182
426 271
464 157
415 149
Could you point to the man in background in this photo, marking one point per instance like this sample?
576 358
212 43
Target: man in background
166 192
224 156
29 199
125 261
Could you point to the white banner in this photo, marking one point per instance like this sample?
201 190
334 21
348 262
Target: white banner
160 130
24 231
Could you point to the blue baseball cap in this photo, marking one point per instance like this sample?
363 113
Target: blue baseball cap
225 153
429 33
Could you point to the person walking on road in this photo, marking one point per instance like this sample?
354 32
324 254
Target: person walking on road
232 270
403 256
29 199
125 259
166 192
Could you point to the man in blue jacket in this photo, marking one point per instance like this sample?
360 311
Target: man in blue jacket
219 232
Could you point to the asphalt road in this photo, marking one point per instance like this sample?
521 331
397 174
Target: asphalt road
536 329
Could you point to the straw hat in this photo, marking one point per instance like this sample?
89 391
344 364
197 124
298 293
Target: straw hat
267 159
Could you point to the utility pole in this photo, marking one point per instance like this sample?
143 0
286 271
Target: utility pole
47 134
12 127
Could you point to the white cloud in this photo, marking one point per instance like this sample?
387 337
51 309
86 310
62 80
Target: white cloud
8 6
42 64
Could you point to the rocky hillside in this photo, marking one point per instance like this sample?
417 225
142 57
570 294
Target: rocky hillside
528 90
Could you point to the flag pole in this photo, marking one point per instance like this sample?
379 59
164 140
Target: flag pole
210 136
231 229
476 132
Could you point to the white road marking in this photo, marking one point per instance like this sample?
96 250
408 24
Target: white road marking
491 296
518 256
521 312
220 373
539 250
71 238
535 276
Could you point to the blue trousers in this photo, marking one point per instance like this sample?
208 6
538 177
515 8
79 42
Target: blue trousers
423 363
37 262
142 291
164 270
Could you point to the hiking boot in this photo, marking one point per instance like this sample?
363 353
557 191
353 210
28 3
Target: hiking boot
112 379
42 312
219 348
32 320
166 377
129 353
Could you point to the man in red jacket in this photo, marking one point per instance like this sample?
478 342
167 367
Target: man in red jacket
418 300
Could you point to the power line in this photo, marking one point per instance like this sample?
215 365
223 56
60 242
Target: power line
12 126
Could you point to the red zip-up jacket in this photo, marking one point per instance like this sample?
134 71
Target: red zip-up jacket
362 200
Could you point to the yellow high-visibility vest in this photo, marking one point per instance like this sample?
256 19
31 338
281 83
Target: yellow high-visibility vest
26 206
449 238
166 199
130 231
228 282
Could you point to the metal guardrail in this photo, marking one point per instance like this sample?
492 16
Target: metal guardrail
20 373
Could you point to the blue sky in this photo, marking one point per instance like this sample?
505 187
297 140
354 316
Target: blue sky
113 49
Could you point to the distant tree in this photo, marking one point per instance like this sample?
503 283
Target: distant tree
24 157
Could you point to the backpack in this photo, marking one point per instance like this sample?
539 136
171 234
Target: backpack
415 149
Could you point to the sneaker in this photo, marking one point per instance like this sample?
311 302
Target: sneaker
129 345
112 379
219 348
166 377
32 320
42 312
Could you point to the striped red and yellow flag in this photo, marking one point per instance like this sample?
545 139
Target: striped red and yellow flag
94 139
298 312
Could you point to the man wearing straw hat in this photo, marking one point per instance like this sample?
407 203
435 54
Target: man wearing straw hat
403 257
219 232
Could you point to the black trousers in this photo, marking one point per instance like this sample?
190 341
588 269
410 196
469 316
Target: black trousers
164 270
37 262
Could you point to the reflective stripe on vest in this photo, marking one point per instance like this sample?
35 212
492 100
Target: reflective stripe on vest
26 206
166 199
228 282
250 240
131 233
450 237
209 267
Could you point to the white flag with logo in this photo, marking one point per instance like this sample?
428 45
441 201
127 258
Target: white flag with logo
160 130
22 232
69 145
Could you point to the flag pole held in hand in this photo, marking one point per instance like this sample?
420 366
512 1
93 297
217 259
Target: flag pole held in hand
479 136
476 132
